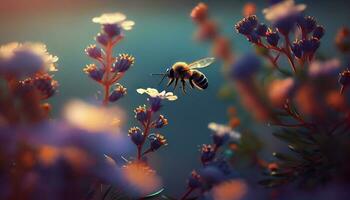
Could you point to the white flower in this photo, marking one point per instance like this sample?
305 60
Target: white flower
154 93
283 9
114 18
26 59
220 129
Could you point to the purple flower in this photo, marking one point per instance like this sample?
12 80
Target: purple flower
261 30
141 113
46 85
245 66
310 45
297 49
319 32
157 140
112 30
94 72
117 93
307 24
123 63
272 38
102 38
254 38
156 103
247 25
136 135
94 52
207 153
160 122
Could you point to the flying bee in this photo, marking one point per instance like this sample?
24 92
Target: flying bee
183 71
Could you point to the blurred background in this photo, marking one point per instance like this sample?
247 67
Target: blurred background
163 34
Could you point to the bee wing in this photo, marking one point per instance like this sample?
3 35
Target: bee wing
205 62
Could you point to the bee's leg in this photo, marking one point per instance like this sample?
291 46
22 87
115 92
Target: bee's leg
183 85
176 81
170 82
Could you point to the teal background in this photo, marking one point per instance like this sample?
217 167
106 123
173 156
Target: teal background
163 34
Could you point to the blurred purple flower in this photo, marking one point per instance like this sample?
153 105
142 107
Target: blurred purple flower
245 66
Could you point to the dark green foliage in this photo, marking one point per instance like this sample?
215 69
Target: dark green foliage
315 158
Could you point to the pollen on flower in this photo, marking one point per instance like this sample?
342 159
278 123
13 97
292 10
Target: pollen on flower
123 63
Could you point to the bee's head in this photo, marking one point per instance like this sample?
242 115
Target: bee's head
169 72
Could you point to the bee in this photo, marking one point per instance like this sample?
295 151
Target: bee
183 71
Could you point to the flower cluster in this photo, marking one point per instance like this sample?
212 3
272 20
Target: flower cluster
108 69
286 18
26 68
145 115
307 104
216 171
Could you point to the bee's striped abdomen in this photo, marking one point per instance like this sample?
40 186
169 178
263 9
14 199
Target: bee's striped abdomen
199 79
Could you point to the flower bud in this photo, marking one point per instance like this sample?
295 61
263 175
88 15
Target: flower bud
94 72
123 63
247 25
297 49
155 103
272 38
141 113
207 153
261 30
194 181
157 140
46 85
94 52
117 93
307 24
160 122
310 45
318 32
136 135
112 30
102 38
